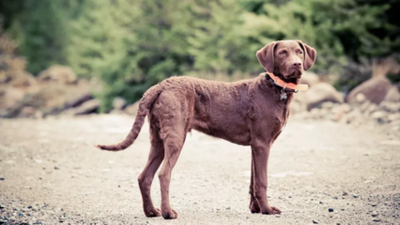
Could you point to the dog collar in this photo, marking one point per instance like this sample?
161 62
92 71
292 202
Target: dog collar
289 87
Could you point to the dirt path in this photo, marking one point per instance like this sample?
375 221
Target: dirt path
50 173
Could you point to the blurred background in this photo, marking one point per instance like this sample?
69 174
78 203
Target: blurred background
84 56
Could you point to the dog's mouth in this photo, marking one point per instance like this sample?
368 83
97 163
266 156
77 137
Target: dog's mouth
295 75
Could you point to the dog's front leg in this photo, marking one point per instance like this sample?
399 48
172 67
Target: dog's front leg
260 154
254 206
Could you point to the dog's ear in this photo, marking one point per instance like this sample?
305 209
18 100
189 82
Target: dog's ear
309 55
266 56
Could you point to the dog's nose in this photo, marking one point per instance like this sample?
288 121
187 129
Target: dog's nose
297 64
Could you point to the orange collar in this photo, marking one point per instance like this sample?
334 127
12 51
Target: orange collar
279 82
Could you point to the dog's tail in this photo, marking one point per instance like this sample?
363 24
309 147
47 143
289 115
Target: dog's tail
147 100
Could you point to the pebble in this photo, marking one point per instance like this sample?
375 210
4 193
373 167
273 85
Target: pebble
330 210
374 213
355 196
2 178
335 197
56 168
315 222
377 220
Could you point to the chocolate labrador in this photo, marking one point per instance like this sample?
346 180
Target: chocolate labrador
249 112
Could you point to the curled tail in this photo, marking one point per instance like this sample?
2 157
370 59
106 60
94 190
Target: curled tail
148 98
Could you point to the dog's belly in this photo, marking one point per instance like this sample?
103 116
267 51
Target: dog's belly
233 132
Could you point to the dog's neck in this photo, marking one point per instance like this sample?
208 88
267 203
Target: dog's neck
278 91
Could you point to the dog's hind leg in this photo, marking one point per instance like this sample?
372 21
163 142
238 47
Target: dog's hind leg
173 145
145 179
173 133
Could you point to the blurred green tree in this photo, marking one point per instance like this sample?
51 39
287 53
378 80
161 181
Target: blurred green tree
41 31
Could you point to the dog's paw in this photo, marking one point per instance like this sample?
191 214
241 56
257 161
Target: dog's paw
254 207
271 210
153 213
171 214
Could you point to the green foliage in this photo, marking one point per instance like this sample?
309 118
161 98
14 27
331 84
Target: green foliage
41 30
338 29
132 44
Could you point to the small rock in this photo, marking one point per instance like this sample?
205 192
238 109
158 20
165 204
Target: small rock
355 196
27 111
119 103
58 73
79 100
56 168
390 106
394 116
374 214
315 222
327 105
374 204
360 98
377 220
330 210
379 115
132 109
372 108
2 178
87 107
365 106
335 197
345 107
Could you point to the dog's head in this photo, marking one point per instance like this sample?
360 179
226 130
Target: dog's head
287 58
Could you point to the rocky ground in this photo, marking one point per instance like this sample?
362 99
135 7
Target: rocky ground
320 172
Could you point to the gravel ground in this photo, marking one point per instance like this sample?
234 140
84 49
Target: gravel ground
319 172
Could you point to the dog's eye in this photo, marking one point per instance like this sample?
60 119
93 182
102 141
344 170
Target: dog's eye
282 52
301 52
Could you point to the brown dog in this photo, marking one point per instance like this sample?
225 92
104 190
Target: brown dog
249 112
